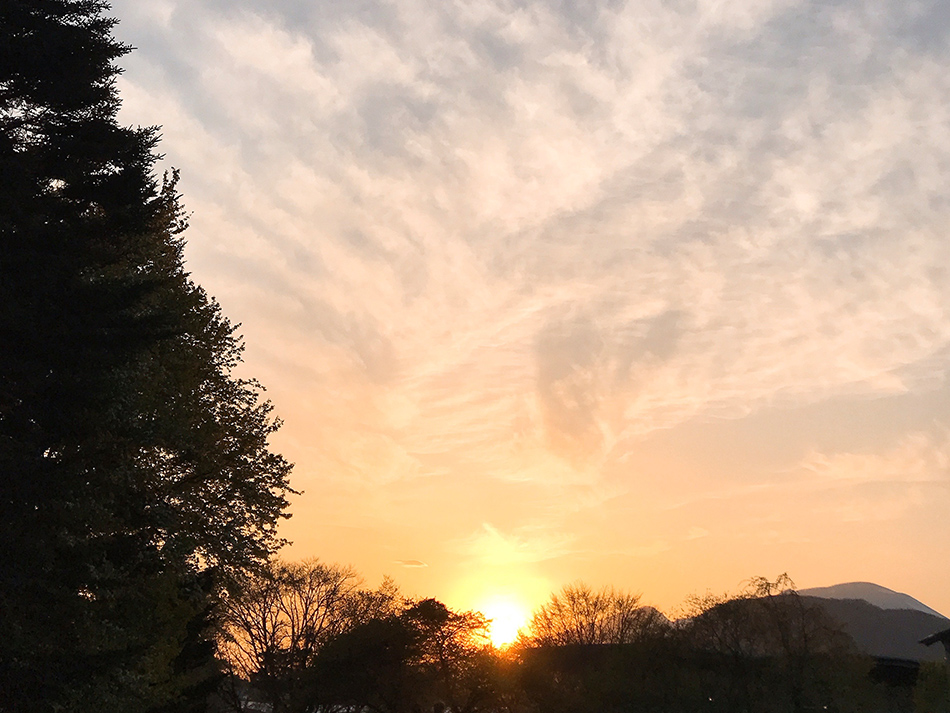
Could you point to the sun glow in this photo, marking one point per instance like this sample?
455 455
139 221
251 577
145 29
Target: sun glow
508 616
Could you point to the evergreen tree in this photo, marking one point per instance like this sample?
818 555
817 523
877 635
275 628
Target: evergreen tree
135 472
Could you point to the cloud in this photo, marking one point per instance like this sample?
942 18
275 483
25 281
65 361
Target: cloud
524 545
919 458
697 533
644 551
744 169
885 485
513 241
411 563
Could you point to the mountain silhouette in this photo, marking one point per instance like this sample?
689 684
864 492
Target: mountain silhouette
873 594
888 633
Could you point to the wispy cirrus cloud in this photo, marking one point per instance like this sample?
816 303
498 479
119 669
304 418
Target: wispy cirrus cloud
525 545
512 242
919 458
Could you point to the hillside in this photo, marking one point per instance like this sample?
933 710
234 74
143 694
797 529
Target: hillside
885 632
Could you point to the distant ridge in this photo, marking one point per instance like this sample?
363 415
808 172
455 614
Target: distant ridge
875 594
889 633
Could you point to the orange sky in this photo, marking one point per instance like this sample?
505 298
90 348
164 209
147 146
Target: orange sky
652 295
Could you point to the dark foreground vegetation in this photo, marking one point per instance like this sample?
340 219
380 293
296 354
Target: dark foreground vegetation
136 483
307 638
139 497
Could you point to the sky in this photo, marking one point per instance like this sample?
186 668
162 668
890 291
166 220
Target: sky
648 294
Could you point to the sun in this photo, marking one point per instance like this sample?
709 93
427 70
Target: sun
507 617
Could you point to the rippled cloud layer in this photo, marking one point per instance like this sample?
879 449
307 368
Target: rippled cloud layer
568 289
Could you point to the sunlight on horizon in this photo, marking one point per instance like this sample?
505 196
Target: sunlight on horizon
507 617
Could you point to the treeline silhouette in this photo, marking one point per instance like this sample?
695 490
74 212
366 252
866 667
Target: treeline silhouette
309 638
140 497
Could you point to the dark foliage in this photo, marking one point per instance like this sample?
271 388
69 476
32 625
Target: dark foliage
276 624
894 633
932 692
135 473
579 615
426 657
764 650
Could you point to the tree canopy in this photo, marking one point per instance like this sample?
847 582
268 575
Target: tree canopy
135 470
580 615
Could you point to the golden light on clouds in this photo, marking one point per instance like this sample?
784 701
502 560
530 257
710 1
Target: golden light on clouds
649 295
